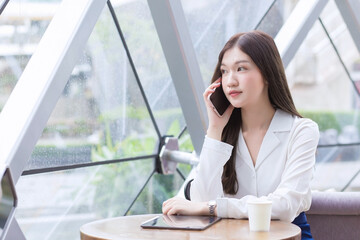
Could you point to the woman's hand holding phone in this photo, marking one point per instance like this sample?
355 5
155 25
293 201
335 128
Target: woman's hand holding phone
216 122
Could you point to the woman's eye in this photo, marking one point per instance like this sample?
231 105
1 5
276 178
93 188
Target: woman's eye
223 71
241 69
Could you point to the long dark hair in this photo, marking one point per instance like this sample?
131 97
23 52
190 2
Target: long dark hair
261 48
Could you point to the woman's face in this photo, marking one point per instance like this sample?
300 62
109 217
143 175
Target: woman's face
242 81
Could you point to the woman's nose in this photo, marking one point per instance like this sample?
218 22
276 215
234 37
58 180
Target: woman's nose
231 81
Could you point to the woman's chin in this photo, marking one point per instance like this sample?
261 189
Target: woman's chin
237 105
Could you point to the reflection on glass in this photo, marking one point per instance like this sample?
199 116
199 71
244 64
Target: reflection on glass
144 45
101 114
55 205
22 24
7 202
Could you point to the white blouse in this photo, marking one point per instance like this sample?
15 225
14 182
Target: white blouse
282 173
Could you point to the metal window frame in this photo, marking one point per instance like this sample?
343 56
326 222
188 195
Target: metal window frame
348 74
131 62
3 5
351 18
26 113
152 118
171 26
297 26
31 102
47 89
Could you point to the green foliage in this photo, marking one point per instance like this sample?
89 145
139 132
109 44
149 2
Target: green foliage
8 81
117 185
335 120
185 143
129 147
324 119
115 182
174 128
136 113
77 128
160 188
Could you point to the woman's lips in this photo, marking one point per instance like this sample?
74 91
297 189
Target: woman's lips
234 93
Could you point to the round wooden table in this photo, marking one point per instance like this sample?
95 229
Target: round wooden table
128 227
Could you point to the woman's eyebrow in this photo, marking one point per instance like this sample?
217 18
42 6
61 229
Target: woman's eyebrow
237 62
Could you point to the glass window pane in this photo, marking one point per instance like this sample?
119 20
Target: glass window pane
144 45
315 85
353 185
185 145
323 92
342 39
101 114
277 16
55 205
335 169
212 23
22 24
160 188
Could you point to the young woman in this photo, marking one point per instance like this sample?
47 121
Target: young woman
260 147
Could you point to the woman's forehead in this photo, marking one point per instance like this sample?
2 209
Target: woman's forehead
235 56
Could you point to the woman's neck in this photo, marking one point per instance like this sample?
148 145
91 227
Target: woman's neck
257 118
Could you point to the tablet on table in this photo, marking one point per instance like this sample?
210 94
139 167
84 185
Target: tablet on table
180 222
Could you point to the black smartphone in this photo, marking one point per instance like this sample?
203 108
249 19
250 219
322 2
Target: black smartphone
219 101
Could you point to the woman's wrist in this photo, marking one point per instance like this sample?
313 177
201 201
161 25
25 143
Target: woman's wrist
203 209
214 133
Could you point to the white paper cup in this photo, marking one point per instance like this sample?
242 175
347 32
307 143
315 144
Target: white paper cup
259 214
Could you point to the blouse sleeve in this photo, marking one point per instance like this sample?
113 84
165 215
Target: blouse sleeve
293 194
207 184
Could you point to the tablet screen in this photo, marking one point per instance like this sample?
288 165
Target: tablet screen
180 222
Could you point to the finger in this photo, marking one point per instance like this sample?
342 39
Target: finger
174 210
208 102
166 209
170 200
215 84
212 86
207 94
168 204
211 89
